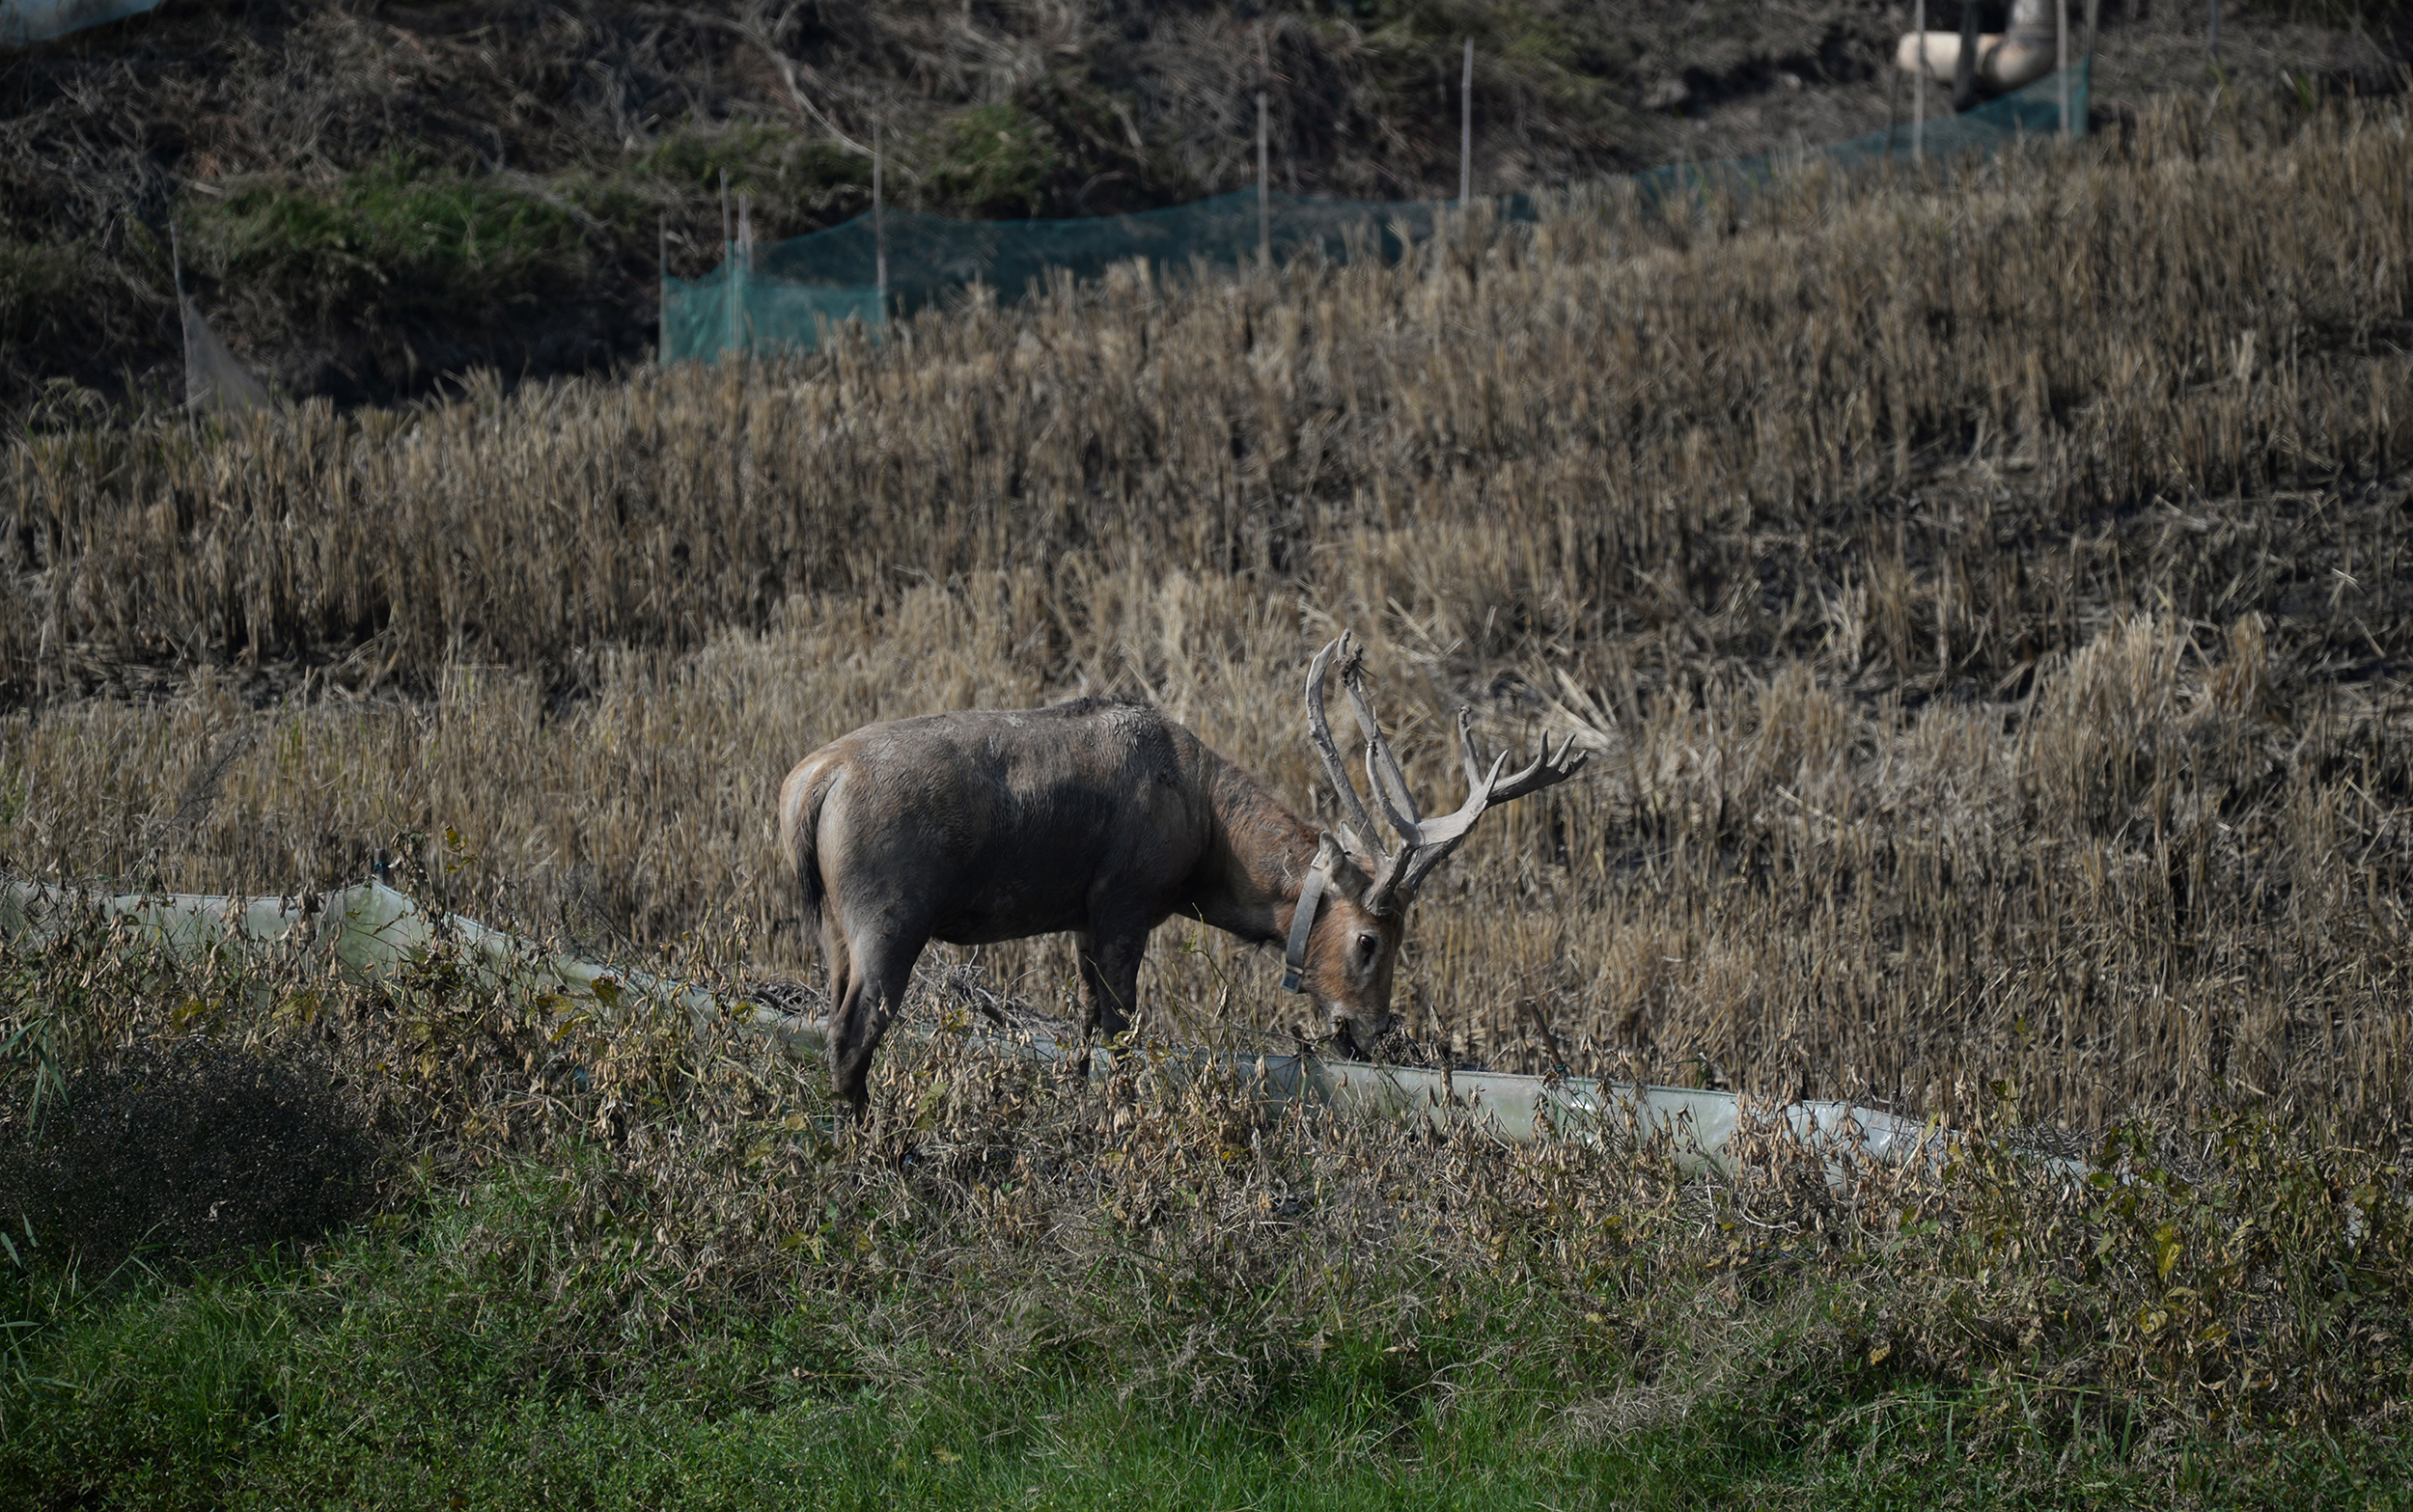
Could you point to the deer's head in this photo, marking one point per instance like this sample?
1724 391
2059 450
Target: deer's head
1345 939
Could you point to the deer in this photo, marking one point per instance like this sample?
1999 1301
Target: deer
1102 819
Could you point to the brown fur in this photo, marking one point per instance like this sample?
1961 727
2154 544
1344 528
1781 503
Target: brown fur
1097 819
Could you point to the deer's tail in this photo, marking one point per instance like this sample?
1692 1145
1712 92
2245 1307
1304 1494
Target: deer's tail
800 799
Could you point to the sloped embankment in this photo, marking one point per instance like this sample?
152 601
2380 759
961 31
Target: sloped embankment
373 195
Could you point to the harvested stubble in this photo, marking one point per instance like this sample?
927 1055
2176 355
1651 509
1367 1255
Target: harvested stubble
1984 597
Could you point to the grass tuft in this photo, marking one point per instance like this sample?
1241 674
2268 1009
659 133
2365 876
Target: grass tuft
391 242
186 1152
998 161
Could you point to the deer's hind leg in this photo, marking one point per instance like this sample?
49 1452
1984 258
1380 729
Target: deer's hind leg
878 964
837 962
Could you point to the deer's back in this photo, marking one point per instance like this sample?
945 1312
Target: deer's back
994 824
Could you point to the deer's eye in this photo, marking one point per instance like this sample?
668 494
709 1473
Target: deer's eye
1367 944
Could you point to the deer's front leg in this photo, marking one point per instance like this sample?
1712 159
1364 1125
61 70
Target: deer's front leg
1110 981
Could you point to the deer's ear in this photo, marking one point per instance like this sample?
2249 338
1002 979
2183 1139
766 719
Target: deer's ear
1334 860
1328 853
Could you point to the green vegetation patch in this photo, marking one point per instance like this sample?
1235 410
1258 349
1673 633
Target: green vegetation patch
770 160
995 161
395 238
421 1361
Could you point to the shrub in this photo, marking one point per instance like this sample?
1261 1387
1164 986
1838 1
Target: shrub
189 1152
1000 160
395 238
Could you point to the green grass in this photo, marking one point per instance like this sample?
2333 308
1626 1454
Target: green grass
406 1365
996 161
621 1261
775 161
395 238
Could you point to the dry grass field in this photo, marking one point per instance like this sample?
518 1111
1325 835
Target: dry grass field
1986 595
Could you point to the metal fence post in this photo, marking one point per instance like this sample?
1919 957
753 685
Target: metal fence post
880 221
1466 127
1919 92
2061 59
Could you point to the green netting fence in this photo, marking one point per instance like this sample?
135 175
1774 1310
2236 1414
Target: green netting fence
787 293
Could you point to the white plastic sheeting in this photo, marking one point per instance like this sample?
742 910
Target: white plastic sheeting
2006 60
215 381
23 22
371 928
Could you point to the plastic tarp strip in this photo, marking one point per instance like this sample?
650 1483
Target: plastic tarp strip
23 22
215 383
371 928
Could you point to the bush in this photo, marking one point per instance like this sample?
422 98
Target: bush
999 161
788 169
190 1151
397 238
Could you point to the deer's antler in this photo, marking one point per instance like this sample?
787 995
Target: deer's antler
1357 829
1423 843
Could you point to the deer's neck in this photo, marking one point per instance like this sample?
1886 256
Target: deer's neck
1250 882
